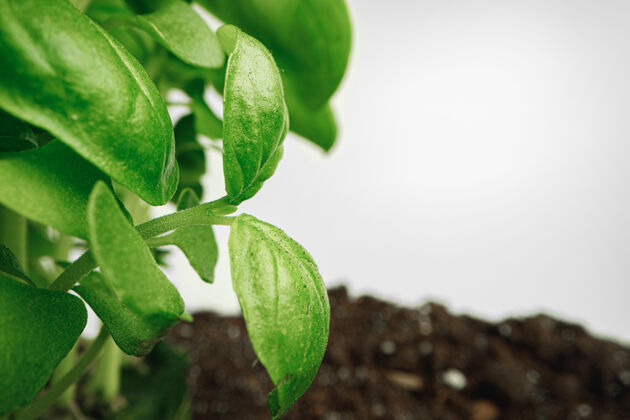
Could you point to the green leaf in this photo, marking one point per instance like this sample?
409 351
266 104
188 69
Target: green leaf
178 28
38 328
187 199
206 123
50 185
15 133
110 14
318 125
62 72
130 271
10 266
255 117
134 333
284 303
197 242
310 40
190 155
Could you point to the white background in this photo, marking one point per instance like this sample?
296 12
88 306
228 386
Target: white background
483 161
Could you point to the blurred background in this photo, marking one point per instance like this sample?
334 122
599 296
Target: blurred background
482 162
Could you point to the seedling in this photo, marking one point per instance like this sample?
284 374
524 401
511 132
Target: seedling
85 134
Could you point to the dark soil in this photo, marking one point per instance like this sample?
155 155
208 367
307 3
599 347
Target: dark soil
386 362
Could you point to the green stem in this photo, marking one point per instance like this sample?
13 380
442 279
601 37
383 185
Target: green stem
75 272
200 215
36 409
105 379
13 234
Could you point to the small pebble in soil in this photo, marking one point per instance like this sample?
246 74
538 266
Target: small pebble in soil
425 347
505 330
426 328
343 373
233 332
481 341
533 376
186 331
624 377
388 347
584 410
454 378
378 410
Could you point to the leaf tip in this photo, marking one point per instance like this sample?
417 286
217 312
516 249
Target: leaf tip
228 35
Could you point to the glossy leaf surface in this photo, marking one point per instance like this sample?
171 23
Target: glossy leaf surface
62 72
284 303
178 28
255 117
134 333
310 39
38 328
128 266
50 185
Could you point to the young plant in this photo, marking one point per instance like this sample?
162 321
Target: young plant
85 136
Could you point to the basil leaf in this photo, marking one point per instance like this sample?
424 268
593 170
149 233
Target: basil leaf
318 125
197 242
15 135
62 72
255 118
206 123
110 14
178 28
310 39
134 333
128 266
50 185
10 266
187 199
284 303
190 155
39 327
13 129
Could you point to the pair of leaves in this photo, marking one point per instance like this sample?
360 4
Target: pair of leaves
133 298
62 72
255 116
284 303
39 327
311 42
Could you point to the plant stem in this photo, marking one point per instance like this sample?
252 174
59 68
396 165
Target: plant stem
105 379
36 409
194 216
200 215
75 272
13 234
